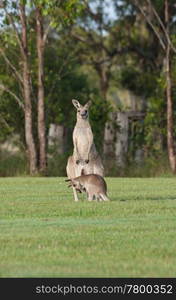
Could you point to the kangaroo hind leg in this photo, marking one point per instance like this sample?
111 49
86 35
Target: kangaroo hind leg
75 195
104 197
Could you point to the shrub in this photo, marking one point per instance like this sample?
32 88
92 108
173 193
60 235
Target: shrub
12 164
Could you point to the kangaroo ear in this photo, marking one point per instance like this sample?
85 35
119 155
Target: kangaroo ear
67 180
76 103
88 104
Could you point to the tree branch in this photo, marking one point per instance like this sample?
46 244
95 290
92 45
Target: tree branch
18 100
24 41
4 121
79 38
11 21
151 24
46 32
162 25
8 62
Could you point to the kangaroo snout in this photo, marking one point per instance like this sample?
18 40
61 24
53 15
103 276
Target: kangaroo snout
84 114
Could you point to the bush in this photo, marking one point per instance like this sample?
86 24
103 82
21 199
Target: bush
12 164
16 165
150 167
57 165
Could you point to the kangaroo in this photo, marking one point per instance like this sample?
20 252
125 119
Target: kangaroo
85 156
94 185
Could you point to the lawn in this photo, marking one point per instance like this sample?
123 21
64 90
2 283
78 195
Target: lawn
44 233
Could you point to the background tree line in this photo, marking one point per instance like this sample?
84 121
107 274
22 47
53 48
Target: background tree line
53 51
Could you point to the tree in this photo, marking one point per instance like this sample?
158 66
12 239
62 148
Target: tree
17 18
93 32
161 28
41 39
24 80
99 47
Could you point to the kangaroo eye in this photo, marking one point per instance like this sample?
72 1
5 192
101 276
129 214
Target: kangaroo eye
85 111
78 110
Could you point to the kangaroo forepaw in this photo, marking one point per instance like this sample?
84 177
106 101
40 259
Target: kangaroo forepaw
87 161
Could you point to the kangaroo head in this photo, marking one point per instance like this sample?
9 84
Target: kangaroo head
75 183
82 110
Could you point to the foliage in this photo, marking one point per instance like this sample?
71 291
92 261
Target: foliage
135 80
12 164
56 164
99 115
89 44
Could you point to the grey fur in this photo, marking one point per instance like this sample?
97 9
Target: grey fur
94 185
85 156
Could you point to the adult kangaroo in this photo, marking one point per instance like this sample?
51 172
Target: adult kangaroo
85 158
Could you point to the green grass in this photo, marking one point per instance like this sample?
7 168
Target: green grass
44 233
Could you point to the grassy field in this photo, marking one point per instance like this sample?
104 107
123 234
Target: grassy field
44 233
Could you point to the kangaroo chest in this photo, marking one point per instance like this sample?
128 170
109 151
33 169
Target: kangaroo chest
83 138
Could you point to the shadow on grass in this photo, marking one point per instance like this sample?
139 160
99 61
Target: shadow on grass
140 198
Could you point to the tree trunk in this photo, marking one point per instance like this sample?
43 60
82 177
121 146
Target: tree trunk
109 130
104 85
121 143
170 137
56 138
31 149
41 93
103 79
170 121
